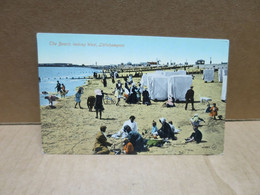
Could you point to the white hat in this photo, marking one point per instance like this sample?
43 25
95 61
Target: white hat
98 92
162 120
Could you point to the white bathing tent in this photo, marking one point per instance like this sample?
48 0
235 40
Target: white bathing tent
222 72
178 86
224 89
208 75
160 87
162 73
157 86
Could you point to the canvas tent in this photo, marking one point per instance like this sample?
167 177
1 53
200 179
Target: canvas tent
224 89
178 86
208 75
221 72
162 73
157 87
160 87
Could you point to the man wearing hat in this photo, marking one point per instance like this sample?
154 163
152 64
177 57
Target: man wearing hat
189 96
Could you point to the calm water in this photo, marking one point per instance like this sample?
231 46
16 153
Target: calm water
50 75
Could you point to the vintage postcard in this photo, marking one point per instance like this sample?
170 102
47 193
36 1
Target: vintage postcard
118 94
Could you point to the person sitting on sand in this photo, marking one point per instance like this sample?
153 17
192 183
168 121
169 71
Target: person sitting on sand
101 143
208 108
99 103
214 111
165 131
146 97
195 120
170 102
174 130
136 139
128 147
154 131
132 98
78 96
195 136
122 133
51 99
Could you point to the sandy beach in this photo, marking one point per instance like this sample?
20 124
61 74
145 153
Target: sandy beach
66 130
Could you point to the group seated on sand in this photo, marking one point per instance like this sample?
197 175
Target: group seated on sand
134 142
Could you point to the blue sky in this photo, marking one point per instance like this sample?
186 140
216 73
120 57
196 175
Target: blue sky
116 49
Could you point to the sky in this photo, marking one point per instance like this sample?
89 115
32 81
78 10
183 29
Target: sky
90 49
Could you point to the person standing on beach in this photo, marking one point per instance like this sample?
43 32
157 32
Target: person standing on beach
118 91
189 96
99 103
105 80
58 87
63 88
78 96
112 76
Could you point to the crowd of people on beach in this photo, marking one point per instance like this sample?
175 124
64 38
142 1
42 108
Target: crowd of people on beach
135 94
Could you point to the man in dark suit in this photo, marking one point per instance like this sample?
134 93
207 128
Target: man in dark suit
190 98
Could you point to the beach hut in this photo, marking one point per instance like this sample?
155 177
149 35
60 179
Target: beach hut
178 86
172 73
161 73
224 88
157 86
220 75
208 75
222 72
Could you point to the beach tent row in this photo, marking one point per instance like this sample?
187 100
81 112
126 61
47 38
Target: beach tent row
221 73
162 84
208 75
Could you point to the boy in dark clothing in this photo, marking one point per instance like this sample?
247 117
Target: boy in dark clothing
195 136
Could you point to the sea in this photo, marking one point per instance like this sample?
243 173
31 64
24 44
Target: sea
71 77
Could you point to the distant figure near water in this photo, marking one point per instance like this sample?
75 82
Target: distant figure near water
78 96
58 86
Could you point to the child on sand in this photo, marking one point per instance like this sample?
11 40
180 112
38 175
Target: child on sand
214 111
128 147
195 136
78 96
154 130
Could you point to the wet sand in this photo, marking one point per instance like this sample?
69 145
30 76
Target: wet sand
66 130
